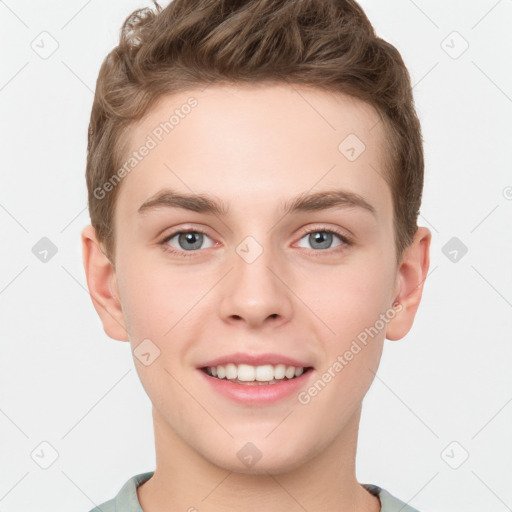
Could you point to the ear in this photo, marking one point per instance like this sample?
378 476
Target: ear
102 284
410 278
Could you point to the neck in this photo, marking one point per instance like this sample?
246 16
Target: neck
184 480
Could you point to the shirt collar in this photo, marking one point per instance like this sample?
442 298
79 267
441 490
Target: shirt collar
128 501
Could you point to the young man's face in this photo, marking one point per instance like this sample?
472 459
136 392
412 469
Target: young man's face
256 283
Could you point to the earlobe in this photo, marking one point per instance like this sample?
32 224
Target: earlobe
411 275
102 284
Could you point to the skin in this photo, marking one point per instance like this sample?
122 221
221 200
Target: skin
255 147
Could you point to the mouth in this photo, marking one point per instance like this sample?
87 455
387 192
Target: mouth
249 375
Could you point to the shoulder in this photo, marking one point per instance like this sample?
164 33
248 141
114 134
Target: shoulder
126 499
108 506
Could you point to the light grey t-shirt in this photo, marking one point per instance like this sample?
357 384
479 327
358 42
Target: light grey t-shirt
127 500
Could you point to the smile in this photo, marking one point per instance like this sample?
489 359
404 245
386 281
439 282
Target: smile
256 393
267 374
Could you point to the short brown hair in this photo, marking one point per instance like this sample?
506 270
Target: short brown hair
327 44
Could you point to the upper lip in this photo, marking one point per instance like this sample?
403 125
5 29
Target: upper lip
255 360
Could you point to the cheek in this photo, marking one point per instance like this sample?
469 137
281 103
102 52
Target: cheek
350 298
352 346
157 307
145 307
357 296
160 301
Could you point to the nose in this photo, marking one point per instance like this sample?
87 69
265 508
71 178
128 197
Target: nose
256 290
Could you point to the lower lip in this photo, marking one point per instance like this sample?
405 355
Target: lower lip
253 395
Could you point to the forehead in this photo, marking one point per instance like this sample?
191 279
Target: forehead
260 142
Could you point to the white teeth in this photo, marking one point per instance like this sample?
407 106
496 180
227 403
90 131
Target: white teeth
230 371
279 371
290 372
248 373
264 373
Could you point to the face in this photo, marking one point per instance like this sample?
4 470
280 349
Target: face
250 270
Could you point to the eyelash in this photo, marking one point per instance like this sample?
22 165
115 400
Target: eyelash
186 254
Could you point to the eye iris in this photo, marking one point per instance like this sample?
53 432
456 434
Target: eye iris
321 237
189 238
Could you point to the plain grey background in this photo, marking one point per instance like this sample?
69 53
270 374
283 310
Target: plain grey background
436 422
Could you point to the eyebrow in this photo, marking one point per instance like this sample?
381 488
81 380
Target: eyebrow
205 203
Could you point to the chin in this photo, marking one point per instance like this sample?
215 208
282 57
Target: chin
260 458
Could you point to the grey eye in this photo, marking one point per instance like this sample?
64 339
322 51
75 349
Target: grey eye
188 240
321 239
